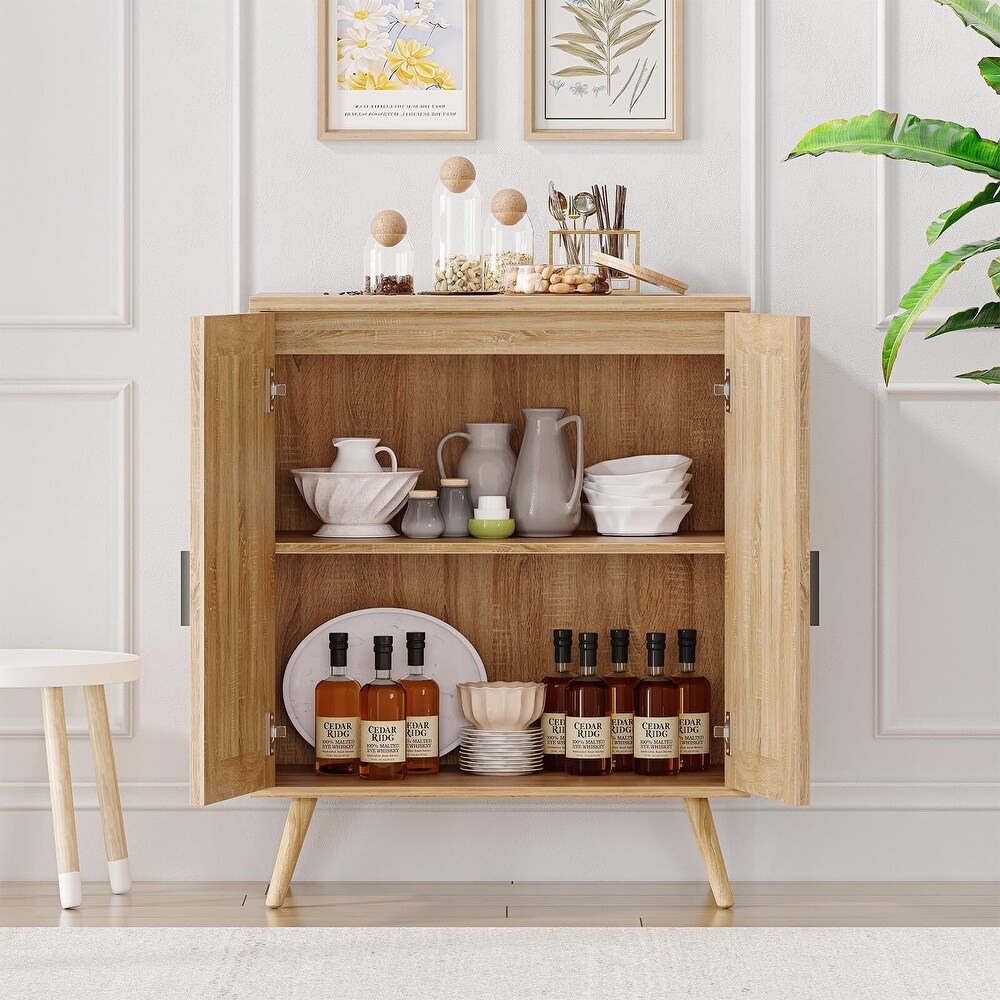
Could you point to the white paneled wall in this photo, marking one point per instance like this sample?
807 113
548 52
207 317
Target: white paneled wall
232 193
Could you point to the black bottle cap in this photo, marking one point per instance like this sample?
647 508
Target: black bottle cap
382 643
588 649
588 640
338 649
562 640
619 645
687 640
338 640
415 643
656 643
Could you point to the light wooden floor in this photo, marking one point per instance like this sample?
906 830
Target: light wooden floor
508 904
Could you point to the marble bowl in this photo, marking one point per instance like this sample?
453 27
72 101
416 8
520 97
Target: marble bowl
501 706
355 504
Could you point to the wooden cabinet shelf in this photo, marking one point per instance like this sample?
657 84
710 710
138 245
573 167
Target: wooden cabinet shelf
685 543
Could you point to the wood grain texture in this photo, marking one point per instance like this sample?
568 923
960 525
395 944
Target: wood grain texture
508 605
699 814
767 556
300 812
303 781
232 555
642 273
105 773
60 780
630 405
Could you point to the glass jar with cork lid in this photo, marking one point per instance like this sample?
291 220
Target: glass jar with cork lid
458 228
389 256
508 239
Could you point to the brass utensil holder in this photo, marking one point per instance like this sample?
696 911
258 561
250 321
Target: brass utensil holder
619 242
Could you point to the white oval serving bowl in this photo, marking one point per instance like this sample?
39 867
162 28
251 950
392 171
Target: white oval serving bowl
501 706
638 520
647 477
638 494
635 465
355 504
602 500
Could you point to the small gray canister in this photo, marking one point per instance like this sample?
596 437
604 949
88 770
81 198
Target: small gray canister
456 507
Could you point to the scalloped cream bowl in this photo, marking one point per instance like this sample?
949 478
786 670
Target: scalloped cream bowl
355 504
501 706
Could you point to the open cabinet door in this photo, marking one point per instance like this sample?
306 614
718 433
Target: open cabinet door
767 556
232 555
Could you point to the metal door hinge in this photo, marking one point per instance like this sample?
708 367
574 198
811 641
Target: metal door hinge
273 389
185 587
724 390
273 732
724 733
814 587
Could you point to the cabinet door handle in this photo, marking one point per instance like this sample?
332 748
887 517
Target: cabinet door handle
814 587
185 588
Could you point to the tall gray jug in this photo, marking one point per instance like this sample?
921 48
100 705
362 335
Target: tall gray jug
488 462
545 491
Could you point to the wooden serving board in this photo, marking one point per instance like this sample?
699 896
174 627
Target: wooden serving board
642 273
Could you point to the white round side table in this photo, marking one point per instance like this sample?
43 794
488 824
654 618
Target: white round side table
52 670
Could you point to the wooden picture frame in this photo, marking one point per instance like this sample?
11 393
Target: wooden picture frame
336 104
666 35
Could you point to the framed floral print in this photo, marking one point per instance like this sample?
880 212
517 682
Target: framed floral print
397 70
604 69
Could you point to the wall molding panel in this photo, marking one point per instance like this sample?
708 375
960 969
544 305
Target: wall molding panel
751 150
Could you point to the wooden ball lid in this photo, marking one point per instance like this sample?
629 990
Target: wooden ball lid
388 227
509 206
457 174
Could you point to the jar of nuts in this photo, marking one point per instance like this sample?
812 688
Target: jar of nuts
508 239
457 219
556 280
388 256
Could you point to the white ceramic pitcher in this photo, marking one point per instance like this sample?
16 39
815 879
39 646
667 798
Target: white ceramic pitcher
361 455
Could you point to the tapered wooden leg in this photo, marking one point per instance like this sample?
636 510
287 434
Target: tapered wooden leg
300 812
61 794
703 826
106 775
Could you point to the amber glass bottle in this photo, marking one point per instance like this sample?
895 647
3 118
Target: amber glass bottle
422 701
657 701
622 685
554 712
695 705
383 720
588 715
337 714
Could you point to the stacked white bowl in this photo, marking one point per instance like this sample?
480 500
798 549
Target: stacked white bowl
641 495
500 740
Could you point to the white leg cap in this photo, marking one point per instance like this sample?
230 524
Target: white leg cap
70 890
120 876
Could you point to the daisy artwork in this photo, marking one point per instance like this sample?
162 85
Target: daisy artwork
401 69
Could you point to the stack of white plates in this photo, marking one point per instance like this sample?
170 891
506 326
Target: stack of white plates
486 751
641 495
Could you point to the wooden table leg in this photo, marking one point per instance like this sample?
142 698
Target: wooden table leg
61 794
300 812
108 796
703 826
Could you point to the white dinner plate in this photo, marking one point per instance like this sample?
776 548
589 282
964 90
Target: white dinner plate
449 659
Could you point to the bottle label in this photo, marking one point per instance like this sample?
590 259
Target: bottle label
588 739
553 733
621 732
421 736
336 739
694 732
383 742
656 738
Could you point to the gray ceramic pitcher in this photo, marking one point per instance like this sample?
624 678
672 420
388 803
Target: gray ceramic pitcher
488 462
545 491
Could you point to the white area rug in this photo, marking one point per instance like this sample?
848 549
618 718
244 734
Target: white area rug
500 963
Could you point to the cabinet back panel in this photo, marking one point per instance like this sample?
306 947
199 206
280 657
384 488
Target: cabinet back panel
508 605
631 405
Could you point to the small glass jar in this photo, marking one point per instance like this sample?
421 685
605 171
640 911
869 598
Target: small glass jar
508 239
389 256
563 279
456 507
423 516
457 221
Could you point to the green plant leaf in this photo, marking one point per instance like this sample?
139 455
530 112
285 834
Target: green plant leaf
984 318
994 275
980 15
923 140
991 376
573 36
990 195
919 297
989 67
581 53
628 12
634 38
580 71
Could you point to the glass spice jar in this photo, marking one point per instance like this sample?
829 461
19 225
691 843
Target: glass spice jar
508 239
423 516
456 507
389 256
457 221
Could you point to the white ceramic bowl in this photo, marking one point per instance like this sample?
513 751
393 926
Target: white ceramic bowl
355 504
603 500
508 706
637 494
598 475
635 465
638 520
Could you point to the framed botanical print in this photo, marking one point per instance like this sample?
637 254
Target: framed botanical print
604 69
397 70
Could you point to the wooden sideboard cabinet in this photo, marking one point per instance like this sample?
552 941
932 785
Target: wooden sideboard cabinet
698 375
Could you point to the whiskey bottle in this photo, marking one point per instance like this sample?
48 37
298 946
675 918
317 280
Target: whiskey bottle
695 704
657 701
622 685
337 714
383 719
554 712
588 715
422 701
